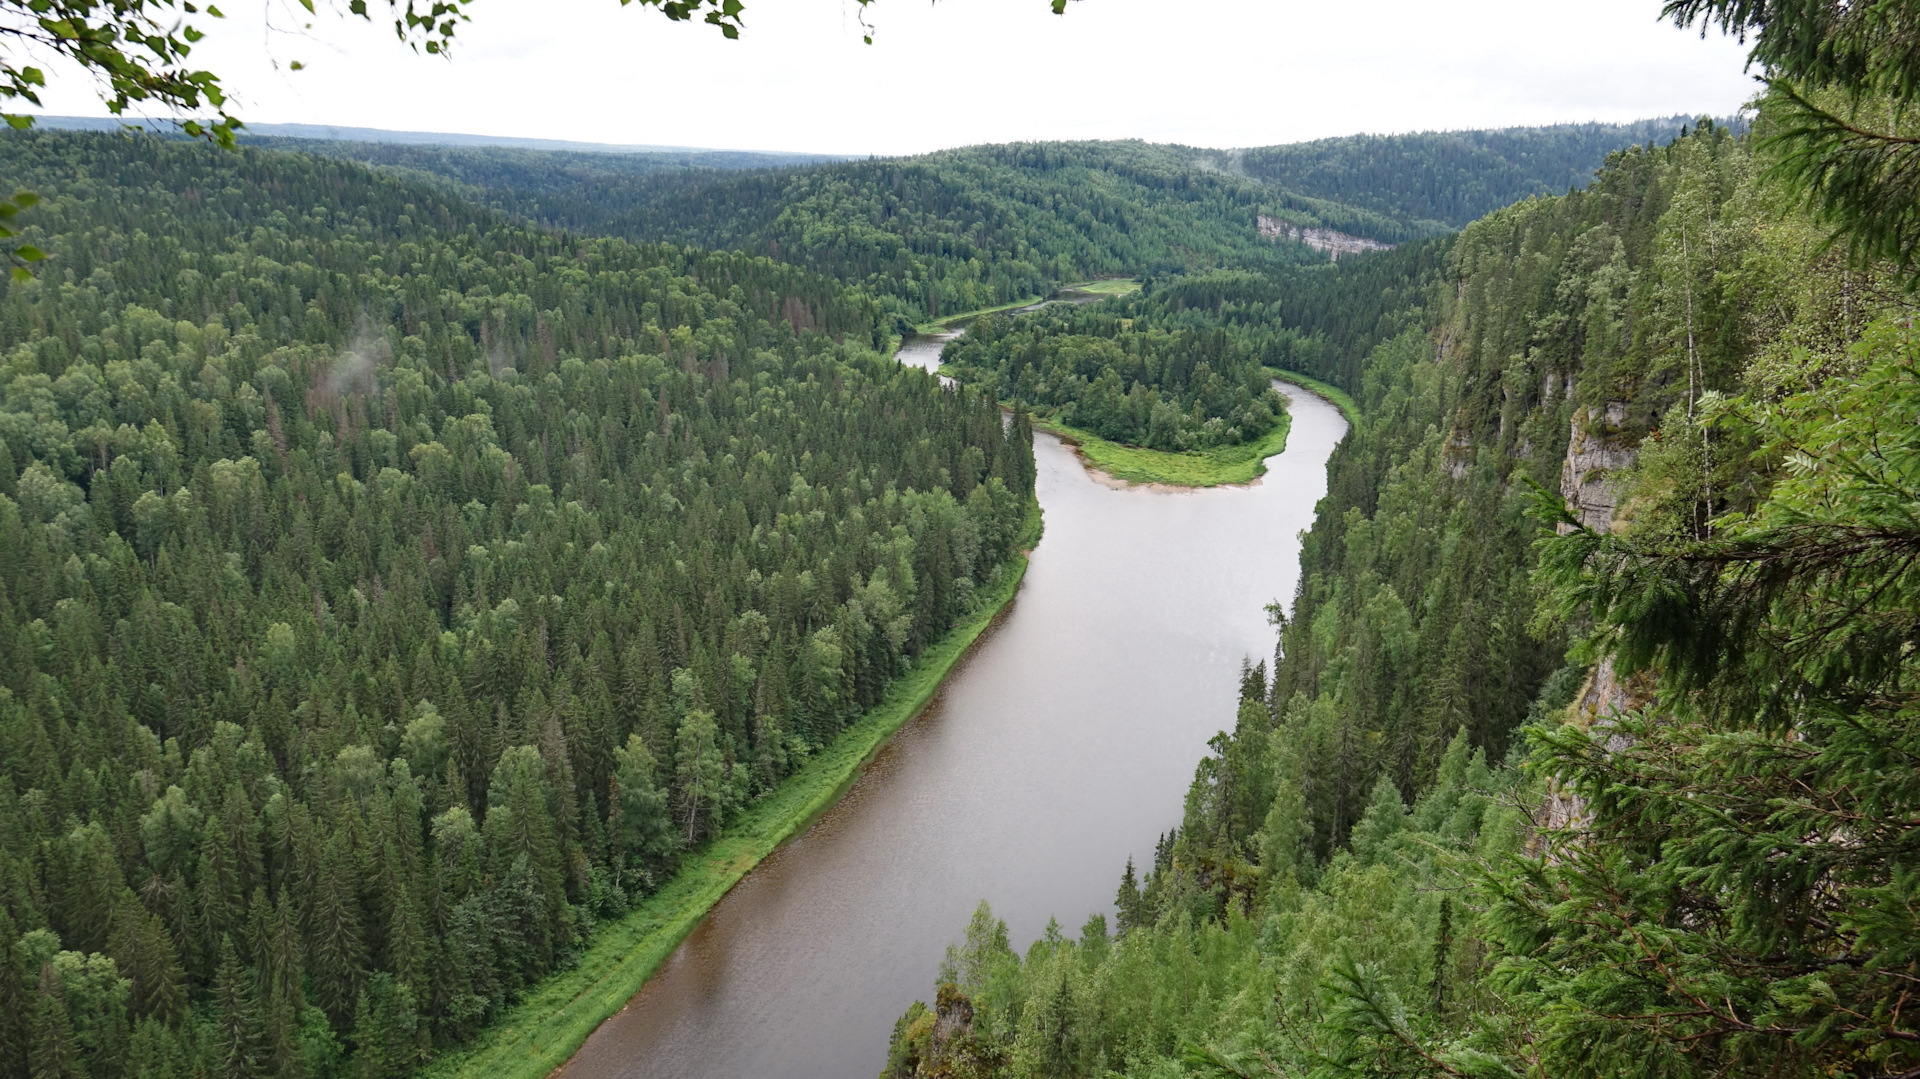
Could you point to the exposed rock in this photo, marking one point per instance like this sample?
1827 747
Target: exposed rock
942 1043
953 1016
1333 243
1586 483
1459 454
1586 477
1554 384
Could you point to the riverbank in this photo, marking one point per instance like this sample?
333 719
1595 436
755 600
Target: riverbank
1216 467
1340 398
543 1031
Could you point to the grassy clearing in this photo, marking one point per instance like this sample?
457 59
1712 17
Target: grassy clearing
946 323
540 1033
1112 286
1328 390
1194 468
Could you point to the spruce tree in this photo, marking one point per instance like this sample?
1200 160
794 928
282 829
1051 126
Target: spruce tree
238 1041
336 948
17 1003
53 1052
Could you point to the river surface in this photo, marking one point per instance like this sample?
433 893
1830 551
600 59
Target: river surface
1060 746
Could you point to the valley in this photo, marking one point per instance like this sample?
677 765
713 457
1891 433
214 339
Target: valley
1437 605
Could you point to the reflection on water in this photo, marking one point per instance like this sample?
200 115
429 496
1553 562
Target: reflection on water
924 351
1059 747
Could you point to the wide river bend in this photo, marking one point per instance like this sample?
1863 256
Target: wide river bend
1061 745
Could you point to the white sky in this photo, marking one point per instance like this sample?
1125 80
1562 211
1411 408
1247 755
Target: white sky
1203 72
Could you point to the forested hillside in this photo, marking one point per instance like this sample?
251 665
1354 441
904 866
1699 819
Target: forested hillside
391 592
943 233
1184 362
1138 371
566 189
1635 798
1449 177
957 230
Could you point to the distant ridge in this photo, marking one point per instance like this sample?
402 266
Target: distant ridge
333 133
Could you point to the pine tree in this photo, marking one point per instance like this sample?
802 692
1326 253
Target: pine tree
406 940
370 1057
222 903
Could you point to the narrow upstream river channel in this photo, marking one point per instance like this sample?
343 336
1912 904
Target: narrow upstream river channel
1060 746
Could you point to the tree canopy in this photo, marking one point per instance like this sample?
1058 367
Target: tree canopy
392 592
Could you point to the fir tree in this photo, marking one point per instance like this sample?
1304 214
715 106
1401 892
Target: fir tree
239 1042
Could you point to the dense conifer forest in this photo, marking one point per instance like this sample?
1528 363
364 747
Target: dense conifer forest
390 592
1185 362
1448 177
1131 371
410 556
1588 749
959 230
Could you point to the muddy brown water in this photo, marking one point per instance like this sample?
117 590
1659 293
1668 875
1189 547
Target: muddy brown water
1061 745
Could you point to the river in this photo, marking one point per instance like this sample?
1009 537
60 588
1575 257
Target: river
1060 746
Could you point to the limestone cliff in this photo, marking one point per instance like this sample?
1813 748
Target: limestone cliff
1595 451
1333 243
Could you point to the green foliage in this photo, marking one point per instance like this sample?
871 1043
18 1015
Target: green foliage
971 229
1743 894
1449 178
392 593
1852 163
1867 45
21 255
1840 80
1704 864
1149 372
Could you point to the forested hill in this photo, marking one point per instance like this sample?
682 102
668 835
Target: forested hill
570 190
1589 748
1448 177
958 230
390 593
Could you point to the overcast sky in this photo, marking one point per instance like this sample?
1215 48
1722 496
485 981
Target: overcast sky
1218 73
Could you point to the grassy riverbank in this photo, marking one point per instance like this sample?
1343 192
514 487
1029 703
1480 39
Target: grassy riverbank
1194 468
1111 286
1119 286
540 1033
1340 398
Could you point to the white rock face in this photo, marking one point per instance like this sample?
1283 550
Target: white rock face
1333 243
1592 458
1587 485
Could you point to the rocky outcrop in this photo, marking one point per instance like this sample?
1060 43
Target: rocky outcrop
1333 243
1594 453
942 1043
